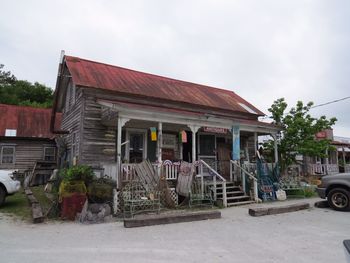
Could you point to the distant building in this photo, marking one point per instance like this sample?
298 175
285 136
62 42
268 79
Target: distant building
25 137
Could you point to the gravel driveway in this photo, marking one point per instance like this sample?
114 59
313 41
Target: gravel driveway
313 235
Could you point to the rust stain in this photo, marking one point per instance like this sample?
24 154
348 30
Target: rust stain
108 77
27 121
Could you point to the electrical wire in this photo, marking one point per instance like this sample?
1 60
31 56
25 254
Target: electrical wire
330 102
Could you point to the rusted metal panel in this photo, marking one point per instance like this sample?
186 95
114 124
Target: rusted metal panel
107 77
27 121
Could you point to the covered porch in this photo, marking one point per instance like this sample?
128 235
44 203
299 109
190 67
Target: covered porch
215 145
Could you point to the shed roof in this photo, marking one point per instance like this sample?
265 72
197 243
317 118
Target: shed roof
113 78
28 122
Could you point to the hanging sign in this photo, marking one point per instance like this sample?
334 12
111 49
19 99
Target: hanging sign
215 130
153 134
235 142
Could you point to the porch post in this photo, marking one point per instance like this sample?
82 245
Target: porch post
159 147
344 160
236 148
255 142
120 123
194 130
119 151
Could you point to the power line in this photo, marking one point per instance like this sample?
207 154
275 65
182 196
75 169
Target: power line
330 102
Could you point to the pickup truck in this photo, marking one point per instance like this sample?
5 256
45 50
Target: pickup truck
8 185
336 188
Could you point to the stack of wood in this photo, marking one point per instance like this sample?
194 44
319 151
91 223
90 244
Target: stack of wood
151 182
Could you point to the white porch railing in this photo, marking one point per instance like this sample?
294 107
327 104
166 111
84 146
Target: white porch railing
128 172
205 170
171 171
322 169
347 168
235 166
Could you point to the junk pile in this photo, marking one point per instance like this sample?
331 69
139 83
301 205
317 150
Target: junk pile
98 207
83 197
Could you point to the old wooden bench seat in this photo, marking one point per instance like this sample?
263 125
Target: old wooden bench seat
137 200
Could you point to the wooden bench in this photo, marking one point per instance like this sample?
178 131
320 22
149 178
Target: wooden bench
137 200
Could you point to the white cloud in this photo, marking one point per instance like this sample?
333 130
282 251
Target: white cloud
262 50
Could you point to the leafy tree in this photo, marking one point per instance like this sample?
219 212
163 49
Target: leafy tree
6 77
22 92
298 132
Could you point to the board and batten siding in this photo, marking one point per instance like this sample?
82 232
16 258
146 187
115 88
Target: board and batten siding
27 152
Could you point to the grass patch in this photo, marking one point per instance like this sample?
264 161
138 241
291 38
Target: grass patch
306 192
17 205
39 194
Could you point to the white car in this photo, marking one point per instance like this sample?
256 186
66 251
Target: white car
8 185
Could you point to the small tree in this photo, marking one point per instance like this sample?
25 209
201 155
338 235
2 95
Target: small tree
298 132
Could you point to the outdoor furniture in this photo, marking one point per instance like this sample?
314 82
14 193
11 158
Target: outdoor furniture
199 196
136 199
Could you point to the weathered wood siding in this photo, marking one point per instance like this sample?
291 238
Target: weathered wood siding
71 119
98 141
27 152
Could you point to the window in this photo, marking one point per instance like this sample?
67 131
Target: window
49 154
10 132
8 155
74 144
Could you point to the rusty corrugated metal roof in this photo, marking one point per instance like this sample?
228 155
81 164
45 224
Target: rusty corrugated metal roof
28 122
107 77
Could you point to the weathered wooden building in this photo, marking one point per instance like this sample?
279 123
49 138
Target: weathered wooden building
337 159
113 117
25 137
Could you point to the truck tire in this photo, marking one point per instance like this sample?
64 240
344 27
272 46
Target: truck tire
339 199
2 195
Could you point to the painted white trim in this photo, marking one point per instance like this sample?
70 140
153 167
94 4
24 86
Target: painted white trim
188 120
128 131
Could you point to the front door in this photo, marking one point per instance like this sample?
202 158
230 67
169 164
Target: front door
136 147
207 149
224 157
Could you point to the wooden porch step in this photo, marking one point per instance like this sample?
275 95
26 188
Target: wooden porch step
229 188
240 197
240 203
234 193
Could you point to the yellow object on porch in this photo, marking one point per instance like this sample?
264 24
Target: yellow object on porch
153 134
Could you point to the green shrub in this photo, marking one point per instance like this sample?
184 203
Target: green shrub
310 192
78 173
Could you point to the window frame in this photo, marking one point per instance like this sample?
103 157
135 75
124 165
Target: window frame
54 153
13 154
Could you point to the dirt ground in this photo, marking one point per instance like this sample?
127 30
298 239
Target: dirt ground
313 235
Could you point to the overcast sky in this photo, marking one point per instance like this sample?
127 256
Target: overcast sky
262 50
